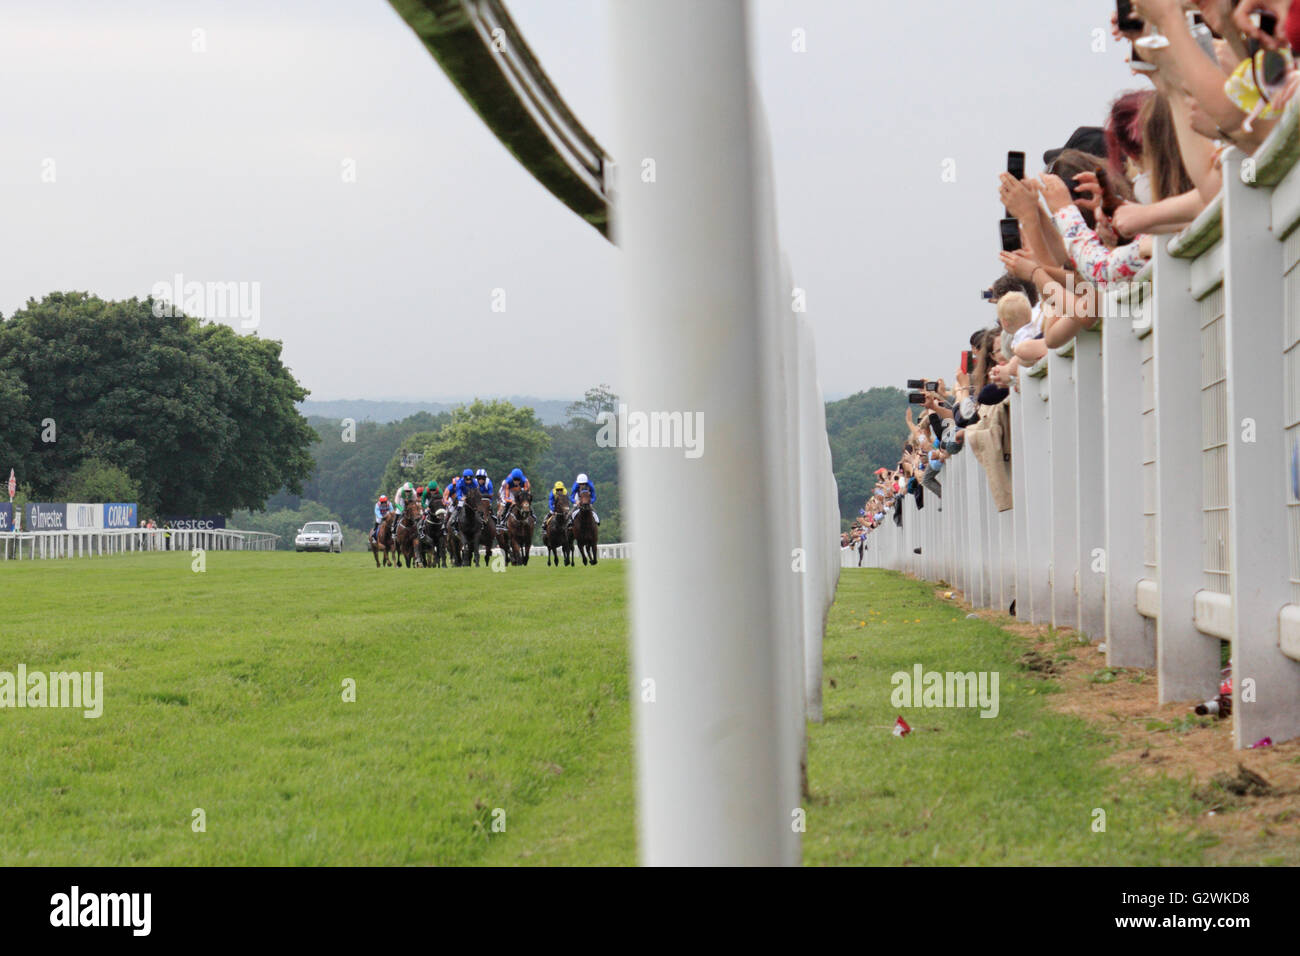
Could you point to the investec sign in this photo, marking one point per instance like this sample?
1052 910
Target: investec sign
6 517
195 523
119 515
39 516
78 517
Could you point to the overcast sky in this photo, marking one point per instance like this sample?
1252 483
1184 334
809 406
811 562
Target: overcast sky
129 157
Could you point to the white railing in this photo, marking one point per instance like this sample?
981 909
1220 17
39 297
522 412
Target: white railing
1154 466
604 552
729 595
27 545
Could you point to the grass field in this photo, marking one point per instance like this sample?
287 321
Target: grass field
478 692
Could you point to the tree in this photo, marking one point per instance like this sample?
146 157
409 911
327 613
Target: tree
202 418
16 425
866 432
97 480
596 400
395 475
351 461
494 435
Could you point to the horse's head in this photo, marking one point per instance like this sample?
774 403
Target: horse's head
584 499
472 495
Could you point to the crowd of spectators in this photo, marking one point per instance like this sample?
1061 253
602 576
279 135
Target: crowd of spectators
1217 74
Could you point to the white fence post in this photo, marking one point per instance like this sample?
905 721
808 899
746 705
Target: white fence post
1257 411
717 765
1090 493
1065 543
1187 661
1130 638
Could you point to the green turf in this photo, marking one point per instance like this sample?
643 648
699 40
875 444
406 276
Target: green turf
475 691
478 691
1019 788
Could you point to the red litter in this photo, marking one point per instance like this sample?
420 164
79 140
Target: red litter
900 728
1262 742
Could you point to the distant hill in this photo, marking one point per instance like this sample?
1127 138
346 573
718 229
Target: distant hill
866 432
550 411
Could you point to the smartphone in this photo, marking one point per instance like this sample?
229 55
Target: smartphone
916 383
1268 25
1016 164
1127 22
1136 62
1010 230
932 386
987 295
915 398
966 362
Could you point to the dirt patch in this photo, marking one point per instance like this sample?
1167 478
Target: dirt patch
1249 800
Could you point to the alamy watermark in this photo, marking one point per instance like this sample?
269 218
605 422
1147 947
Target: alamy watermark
922 688
226 301
629 429
129 910
75 689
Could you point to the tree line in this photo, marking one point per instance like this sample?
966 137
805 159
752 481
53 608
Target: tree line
357 462
108 401
105 400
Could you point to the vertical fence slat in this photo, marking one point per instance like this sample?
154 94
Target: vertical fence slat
1256 422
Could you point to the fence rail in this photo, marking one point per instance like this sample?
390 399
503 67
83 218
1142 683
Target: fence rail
604 552
1155 466
34 545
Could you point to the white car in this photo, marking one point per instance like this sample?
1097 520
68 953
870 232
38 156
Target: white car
319 536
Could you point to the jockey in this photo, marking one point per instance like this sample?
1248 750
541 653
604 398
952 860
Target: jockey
382 508
461 485
429 493
484 483
560 490
402 496
582 484
515 481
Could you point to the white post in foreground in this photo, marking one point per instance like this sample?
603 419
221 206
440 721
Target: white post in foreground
717 769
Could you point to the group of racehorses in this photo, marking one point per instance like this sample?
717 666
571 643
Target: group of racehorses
432 539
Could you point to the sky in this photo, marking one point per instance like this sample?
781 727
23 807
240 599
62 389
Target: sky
312 152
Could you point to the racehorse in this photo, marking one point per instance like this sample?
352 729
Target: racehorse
464 525
433 540
556 534
384 540
408 533
585 533
520 526
487 532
